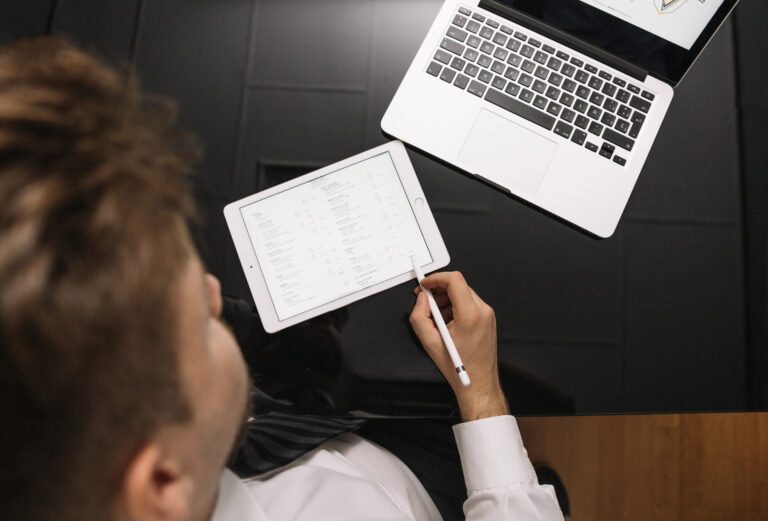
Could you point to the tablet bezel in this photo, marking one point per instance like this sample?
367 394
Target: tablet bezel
249 261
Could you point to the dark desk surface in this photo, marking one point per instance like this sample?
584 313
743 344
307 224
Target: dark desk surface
652 319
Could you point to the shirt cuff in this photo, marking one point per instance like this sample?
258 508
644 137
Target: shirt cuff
492 454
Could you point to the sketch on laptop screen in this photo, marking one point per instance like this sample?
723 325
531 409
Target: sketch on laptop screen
678 21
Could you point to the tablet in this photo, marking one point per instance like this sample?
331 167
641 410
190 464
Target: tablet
334 236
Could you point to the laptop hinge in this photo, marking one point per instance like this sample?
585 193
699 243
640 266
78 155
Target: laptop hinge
566 39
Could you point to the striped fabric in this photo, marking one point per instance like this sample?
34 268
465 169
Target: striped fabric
277 438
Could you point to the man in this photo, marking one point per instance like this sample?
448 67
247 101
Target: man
121 391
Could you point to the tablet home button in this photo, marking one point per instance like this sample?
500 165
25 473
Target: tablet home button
419 202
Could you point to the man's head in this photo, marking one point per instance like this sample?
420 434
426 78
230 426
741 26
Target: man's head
121 393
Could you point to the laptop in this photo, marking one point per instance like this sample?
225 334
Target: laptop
557 102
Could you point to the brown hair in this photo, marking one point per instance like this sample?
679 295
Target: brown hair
92 243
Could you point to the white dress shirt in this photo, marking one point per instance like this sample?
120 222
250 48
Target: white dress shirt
350 478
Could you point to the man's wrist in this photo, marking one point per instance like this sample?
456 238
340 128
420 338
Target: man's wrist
482 404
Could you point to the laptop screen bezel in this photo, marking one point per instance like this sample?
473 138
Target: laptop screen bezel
677 60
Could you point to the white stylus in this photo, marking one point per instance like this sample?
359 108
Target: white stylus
442 328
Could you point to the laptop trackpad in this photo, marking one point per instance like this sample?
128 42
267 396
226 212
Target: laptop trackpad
506 154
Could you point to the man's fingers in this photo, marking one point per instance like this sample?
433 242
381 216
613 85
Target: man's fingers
455 286
421 320
440 296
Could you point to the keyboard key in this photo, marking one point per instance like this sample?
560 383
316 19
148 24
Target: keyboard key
592 147
609 89
474 42
498 67
605 76
562 56
554 109
647 95
611 105
608 119
447 75
528 66
566 99
492 23
582 77
453 46
485 76
526 95
513 45
594 112
520 36
525 80
539 86
595 82
577 62
618 81
568 70
484 61
568 115
607 150
534 42
527 51
434 68
619 160
465 11
582 122
623 96
541 72
637 123
511 73
555 79
554 63
582 92
525 111
540 57
579 137
624 111
461 81
595 128
500 53
457 34
640 104
617 139
563 129
478 17
515 60
486 32
471 55
622 125
473 27
499 83
512 89
476 88
443 57
540 102
596 98
591 69
471 70
506 29
633 88
548 48
499 39
553 93
458 64
487 47
580 106
569 85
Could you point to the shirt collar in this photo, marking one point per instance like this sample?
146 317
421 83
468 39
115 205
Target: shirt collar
234 502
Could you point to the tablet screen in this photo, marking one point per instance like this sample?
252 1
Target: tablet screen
334 235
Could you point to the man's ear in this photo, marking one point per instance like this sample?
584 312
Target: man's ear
155 488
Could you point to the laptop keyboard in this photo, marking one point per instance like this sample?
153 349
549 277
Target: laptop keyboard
542 84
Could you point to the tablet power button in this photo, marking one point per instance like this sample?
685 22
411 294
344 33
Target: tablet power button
419 202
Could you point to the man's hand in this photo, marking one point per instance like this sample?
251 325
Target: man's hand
472 324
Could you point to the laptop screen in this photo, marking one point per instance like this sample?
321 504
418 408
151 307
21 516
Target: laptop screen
663 37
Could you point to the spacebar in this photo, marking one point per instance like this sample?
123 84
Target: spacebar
521 109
